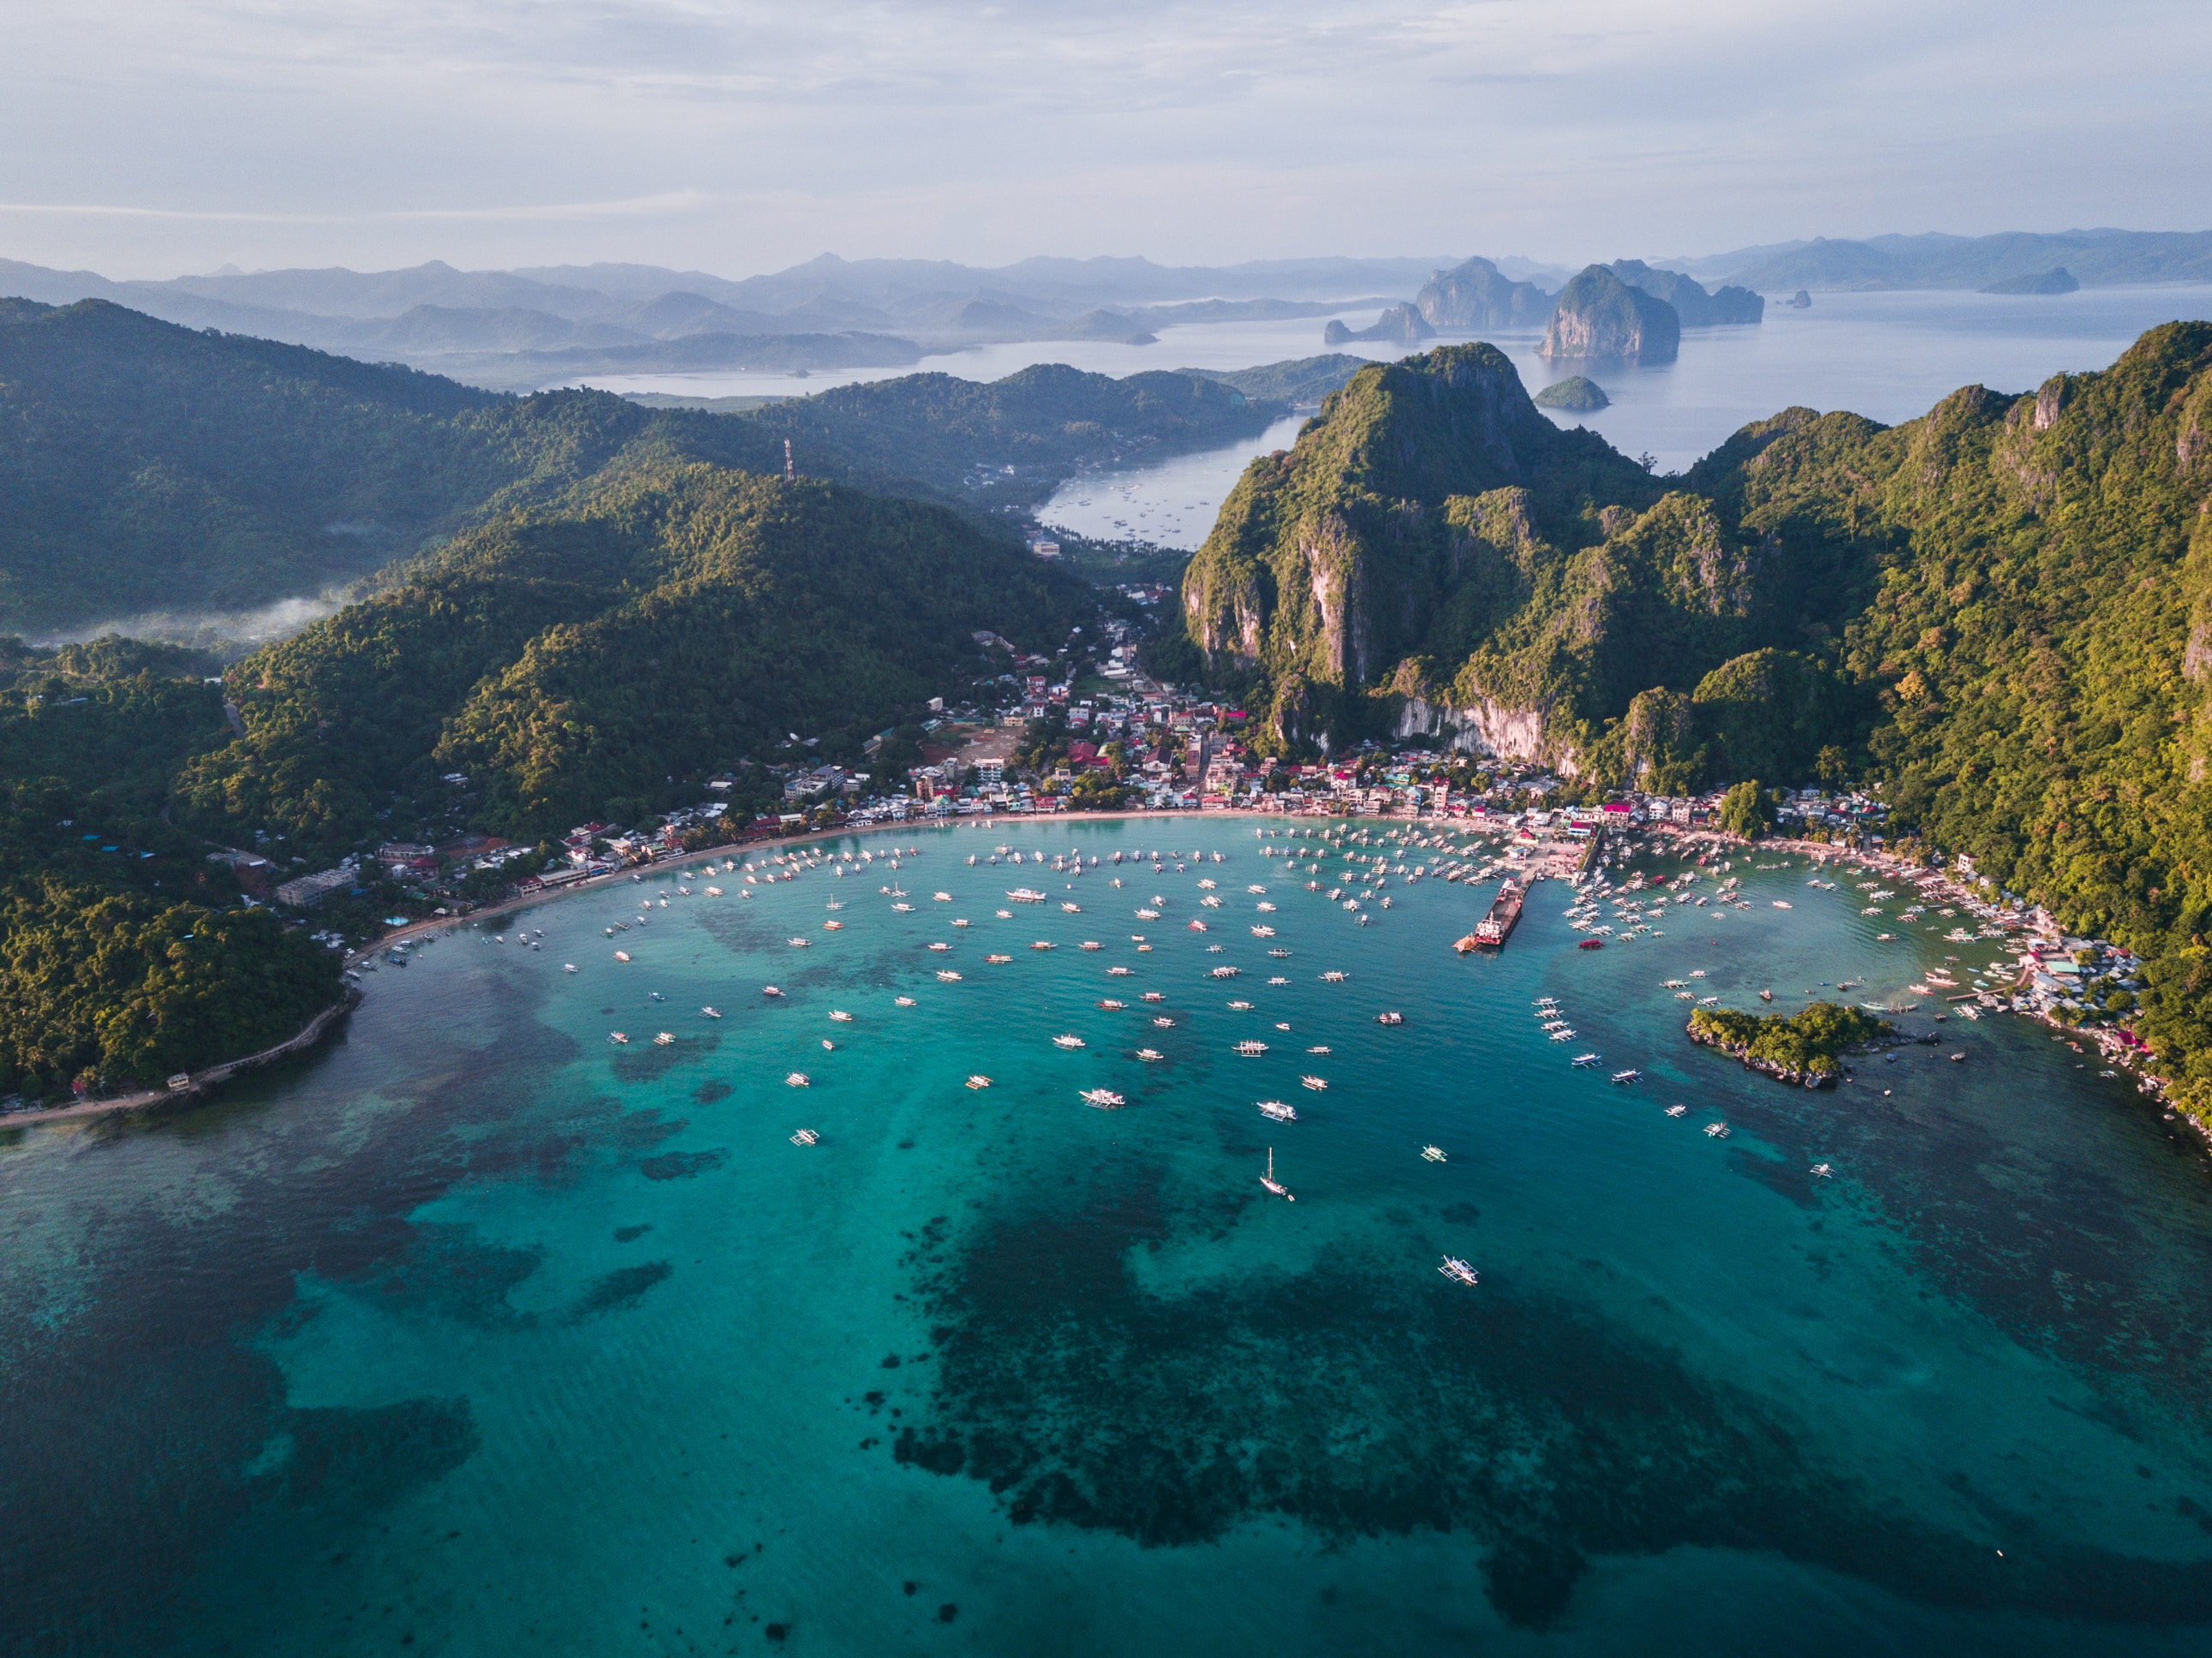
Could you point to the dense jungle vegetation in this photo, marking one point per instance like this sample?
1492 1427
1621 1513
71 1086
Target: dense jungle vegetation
121 959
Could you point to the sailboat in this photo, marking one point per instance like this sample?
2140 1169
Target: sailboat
1269 1181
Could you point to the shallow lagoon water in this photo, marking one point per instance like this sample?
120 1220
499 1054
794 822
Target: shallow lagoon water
479 1333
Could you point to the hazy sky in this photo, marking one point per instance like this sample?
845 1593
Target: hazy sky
168 135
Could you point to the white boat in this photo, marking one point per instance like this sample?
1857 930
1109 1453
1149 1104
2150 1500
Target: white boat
979 1080
901 1001
1250 1048
1628 1076
664 1038
1123 973
801 944
940 897
1223 972
1072 910
1318 1049
1433 1154
1104 1099
839 1015
948 977
1240 1007
1069 1042
1719 1131
1026 895
807 1137
798 1079
711 1013
1458 1271
622 955
1677 1110
568 967
1822 1171
1584 1060
1278 1110
1162 1023
1149 1054
1269 1181
940 948
1334 977
1316 1083
617 1036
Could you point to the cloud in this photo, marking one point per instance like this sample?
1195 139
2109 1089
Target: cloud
736 135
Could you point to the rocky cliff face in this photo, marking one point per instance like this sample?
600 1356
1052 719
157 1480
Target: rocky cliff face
1476 295
1600 318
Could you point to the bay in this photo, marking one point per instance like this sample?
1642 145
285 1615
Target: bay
481 1333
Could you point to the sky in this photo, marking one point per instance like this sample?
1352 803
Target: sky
167 136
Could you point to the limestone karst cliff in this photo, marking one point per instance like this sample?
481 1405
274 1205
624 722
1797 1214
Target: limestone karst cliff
1600 318
1475 295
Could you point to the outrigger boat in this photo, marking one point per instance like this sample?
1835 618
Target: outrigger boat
979 1080
1628 1076
1584 1060
807 1137
1103 1099
1433 1154
1251 1048
1458 1271
1278 1110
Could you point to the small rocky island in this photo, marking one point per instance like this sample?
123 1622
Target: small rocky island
1580 396
1803 1048
1800 300
1600 318
1402 323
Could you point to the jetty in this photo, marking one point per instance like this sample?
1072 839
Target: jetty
1491 931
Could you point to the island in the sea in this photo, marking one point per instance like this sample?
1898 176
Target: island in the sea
1805 1048
2057 280
1403 323
1575 394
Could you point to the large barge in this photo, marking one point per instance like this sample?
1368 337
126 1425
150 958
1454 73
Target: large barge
1491 931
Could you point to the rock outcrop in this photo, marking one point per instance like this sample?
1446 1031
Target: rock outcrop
1477 296
1600 318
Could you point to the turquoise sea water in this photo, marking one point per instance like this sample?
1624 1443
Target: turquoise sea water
479 1333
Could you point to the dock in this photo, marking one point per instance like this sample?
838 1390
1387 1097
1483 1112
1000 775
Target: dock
1491 931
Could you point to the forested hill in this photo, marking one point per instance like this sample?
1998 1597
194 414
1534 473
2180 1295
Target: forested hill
597 661
147 466
1039 424
126 957
1999 614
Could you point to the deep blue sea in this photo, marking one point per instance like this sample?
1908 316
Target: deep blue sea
478 1333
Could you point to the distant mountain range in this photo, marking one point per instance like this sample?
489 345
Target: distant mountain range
2097 258
518 330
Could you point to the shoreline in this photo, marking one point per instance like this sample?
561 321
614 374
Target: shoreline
2138 1063
307 1036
